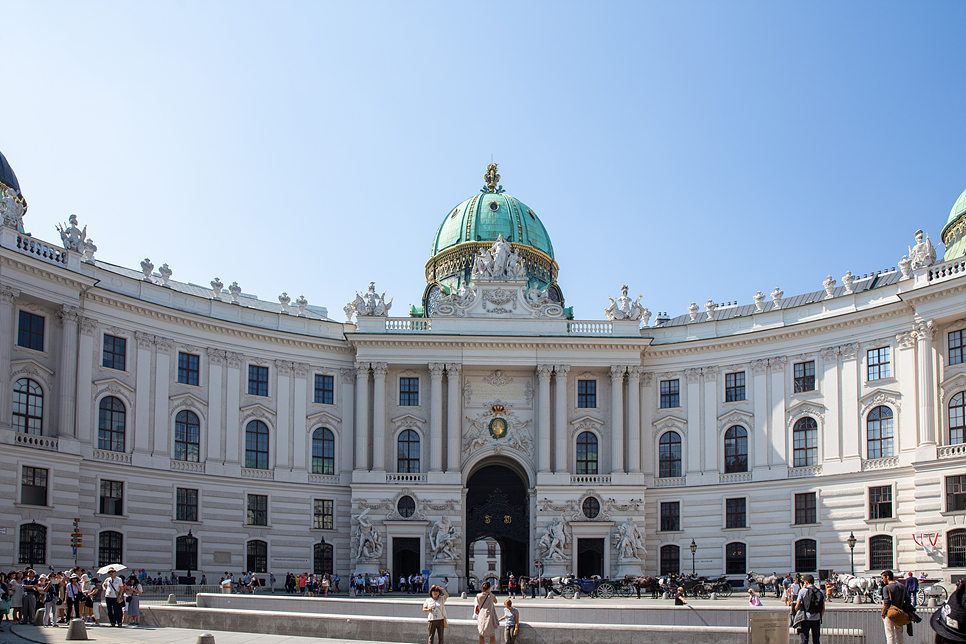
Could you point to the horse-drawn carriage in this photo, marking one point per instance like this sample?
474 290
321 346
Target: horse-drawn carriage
594 587
931 588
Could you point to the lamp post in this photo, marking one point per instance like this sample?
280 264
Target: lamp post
192 548
852 541
694 548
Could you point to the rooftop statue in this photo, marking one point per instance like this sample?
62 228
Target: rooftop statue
371 304
492 179
72 237
624 308
500 262
12 210
923 253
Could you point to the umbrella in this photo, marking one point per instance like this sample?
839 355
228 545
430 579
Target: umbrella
115 567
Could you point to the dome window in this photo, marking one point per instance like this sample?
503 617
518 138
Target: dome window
494 206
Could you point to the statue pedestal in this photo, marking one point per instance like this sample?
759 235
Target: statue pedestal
363 567
446 569
630 566
556 568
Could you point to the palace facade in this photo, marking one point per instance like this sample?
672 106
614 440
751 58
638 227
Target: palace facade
195 428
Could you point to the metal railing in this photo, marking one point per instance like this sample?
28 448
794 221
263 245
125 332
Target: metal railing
854 625
152 594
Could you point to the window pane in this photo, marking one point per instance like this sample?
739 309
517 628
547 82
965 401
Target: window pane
30 333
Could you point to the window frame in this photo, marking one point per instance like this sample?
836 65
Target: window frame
669 516
876 557
949 492
802 510
735 383
409 391
256 561
586 466
805 382
586 399
113 551
324 519
181 509
736 518
26 408
115 494
671 461
731 567
797 557
183 437
256 509
111 357
257 446
189 368
33 477
956 554
323 458
881 368
808 452
668 562
958 401
258 380
880 446
670 394
406 461
38 545
324 395
877 504
957 351
30 337
114 439
736 462
182 552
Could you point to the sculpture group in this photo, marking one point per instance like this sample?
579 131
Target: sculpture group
624 308
371 304
11 209
499 262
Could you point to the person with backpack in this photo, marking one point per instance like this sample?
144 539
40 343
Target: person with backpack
811 600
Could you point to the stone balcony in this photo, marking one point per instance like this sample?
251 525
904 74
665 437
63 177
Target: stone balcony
37 442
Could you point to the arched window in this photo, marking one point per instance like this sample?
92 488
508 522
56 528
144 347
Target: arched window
322 558
323 451
33 544
736 449
186 553
587 453
957 418
806 557
408 456
28 407
109 546
669 455
880 552
956 548
879 426
257 559
670 560
187 437
735 558
256 446
805 442
111 423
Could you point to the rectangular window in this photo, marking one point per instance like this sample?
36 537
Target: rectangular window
804 376
188 369
735 513
670 516
586 394
670 394
879 363
115 352
491 550
322 515
257 380
31 332
955 493
187 506
956 347
734 386
409 392
112 497
491 565
880 502
257 509
805 508
33 486
324 389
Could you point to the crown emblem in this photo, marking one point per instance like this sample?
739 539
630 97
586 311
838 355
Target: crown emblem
498 409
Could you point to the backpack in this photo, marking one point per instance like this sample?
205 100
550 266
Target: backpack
813 601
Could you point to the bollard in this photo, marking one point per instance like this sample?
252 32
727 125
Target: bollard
577 594
39 617
172 600
932 602
463 595
76 630
205 638
714 596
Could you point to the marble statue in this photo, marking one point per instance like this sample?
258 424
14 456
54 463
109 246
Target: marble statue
555 539
89 249
536 297
776 297
629 540
368 542
370 304
442 539
923 253
499 262
759 299
11 210
72 237
624 308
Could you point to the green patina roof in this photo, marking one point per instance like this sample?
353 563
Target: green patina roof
957 212
477 220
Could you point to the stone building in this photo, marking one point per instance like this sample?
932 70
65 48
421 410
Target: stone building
196 428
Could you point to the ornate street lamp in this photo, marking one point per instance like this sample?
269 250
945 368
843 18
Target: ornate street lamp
852 541
694 548
190 547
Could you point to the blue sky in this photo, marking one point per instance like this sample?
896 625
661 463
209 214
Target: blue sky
691 150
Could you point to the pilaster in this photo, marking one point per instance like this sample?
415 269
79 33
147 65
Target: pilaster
453 425
927 391
162 421
634 419
778 431
709 462
561 437
233 429
379 370
693 440
851 430
142 403
67 370
543 438
436 417
216 364
85 372
283 414
362 416
7 332
647 422
617 419
298 431
346 435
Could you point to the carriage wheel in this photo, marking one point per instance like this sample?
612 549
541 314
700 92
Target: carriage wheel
604 591
568 592
941 597
702 591
921 598
725 589
625 591
874 596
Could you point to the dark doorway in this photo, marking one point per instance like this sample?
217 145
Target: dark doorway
590 557
405 557
497 507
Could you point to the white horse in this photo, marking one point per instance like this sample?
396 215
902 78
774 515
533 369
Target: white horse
852 586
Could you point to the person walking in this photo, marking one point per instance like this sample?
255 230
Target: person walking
811 599
50 600
436 607
72 597
486 620
511 586
112 593
893 595
912 588
512 617
133 599
15 586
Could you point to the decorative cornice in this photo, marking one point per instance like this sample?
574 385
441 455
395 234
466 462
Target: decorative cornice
80 284
8 294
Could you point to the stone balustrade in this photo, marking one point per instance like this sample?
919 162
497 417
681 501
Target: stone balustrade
114 457
799 472
590 479
43 250
669 481
880 463
409 325
952 451
324 479
580 327
253 473
187 466
38 442
735 477
406 478
946 270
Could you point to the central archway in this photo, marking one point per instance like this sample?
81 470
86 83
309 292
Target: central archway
497 507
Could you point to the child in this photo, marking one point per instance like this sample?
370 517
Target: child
512 617
753 597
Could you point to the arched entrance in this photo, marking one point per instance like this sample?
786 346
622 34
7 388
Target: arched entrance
497 507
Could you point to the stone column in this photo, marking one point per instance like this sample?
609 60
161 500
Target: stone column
693 439
283 405
379 370
561 437
7 334
830 391
453 423
617 419
634 419
926 334
710 461
347 438
362 416
162 381
85 387
779 432
852 431
908 435
543 439
436 417
760 430
67 370
297 429
233 429
647 422
216 365
142 401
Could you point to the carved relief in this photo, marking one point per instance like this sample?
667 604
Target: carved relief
759 367
216 356
347 376
516 434
777 363
144 340
710 374
88 326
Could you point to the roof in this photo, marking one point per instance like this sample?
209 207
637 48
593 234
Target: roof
485 216
7 175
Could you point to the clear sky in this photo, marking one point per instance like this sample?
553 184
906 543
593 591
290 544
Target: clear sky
691 150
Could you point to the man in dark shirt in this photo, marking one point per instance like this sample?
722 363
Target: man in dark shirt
912 587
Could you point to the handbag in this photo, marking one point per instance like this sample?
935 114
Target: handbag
898 616
4 605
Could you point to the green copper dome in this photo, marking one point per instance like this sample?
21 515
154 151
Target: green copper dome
485 216
952 234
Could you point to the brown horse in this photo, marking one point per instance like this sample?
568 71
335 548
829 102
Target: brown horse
651 584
